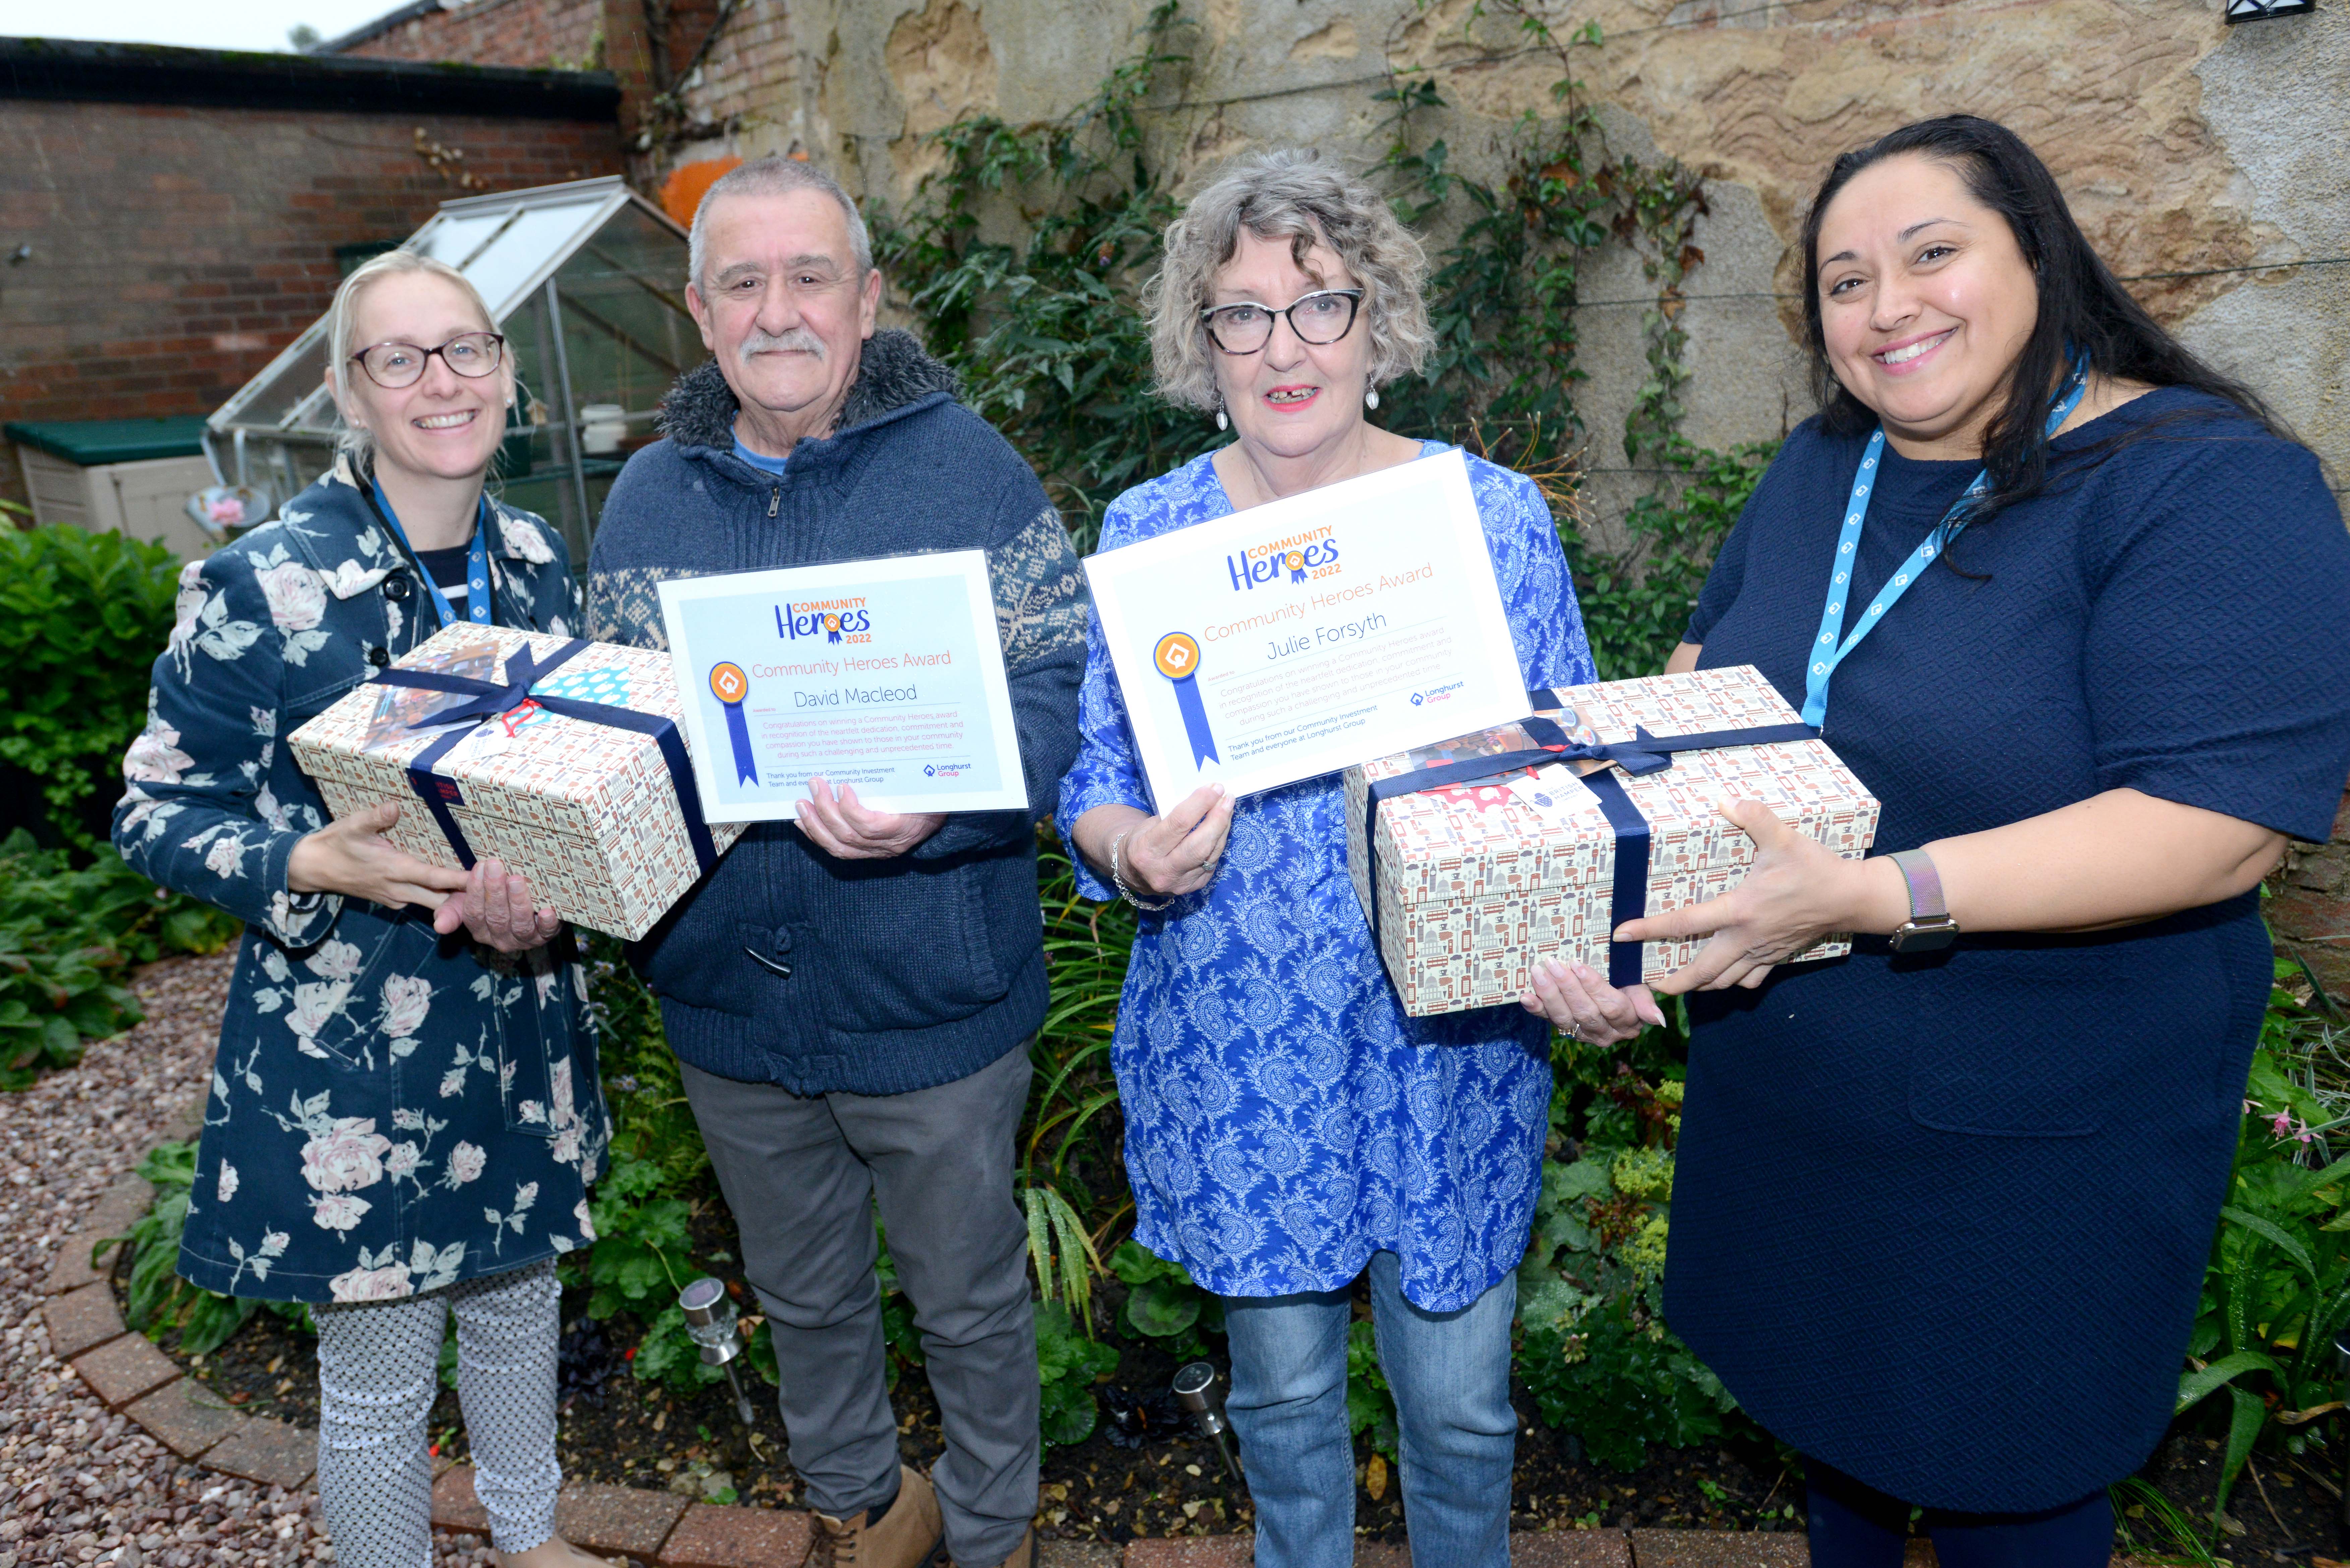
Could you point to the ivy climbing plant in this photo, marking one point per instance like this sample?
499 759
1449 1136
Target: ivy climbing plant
1503 299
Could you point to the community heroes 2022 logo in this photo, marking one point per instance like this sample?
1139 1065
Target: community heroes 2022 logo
836 620
1301 555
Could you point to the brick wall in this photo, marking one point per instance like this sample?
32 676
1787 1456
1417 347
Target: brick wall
175 250
2309 910
567 34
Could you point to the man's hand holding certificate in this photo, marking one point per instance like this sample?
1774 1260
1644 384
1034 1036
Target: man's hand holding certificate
1294 639
883 678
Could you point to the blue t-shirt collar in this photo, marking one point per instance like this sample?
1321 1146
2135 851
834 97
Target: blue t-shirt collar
773 465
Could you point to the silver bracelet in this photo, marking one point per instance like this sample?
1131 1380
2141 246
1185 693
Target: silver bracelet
1118 879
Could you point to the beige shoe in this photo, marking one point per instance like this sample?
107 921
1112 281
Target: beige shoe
554 1552
909 1536
1023 1555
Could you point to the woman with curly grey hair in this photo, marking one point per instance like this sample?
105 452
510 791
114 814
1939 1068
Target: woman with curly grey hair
1287 1125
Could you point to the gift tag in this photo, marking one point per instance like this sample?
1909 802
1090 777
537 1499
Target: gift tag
1557 796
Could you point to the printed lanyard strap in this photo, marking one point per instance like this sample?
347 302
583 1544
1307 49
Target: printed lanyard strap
477 563
1831 647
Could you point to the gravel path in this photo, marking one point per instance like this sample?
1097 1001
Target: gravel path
79 1484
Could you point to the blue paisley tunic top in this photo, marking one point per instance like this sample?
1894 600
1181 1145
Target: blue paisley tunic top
1284 1119
390 1111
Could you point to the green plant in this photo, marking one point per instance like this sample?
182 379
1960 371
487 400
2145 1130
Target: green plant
1068 1363
659 1172
1636 603
1620 1381
1047 333
2277 1287
67 940
1163 1303
82 617
1370 1403
1594 1349
157 1300
1501 382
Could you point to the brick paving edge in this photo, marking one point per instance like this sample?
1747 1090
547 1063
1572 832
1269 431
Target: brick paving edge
456 1509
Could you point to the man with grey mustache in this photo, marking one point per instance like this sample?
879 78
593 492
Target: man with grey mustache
851 996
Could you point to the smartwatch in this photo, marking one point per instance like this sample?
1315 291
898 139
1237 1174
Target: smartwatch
1930 925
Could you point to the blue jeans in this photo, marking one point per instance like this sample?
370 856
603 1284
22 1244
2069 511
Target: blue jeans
1854 1525
1451 1374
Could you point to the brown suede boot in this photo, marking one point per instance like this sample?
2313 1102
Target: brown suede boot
909 1536
1023 1555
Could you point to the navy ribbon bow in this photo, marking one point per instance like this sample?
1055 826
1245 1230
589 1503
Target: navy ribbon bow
1643 754
491 698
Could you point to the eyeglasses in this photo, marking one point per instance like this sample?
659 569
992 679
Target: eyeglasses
1320 318
471 355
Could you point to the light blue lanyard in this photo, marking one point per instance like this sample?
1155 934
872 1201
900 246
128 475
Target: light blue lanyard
1827 650
477 563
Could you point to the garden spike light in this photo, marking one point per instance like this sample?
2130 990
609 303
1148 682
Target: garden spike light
1199 1390
709 1324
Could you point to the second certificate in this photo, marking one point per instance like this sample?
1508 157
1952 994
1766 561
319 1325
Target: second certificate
1300 637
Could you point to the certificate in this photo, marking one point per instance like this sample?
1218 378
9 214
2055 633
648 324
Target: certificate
886 675
1298 638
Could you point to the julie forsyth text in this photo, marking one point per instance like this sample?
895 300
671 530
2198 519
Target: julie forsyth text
1325 636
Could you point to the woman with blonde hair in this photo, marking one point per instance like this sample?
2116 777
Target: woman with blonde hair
1287 1125
403 1119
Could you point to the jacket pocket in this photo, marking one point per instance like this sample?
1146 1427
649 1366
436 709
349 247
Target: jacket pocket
904 950
2041 1041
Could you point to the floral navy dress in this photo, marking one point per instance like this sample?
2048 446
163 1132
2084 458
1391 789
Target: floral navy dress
392 1111
1284 1119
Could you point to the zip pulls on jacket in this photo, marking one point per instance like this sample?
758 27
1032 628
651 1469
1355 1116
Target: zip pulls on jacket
774 500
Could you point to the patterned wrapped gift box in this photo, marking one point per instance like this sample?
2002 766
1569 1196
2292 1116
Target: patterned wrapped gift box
586 811
1475 882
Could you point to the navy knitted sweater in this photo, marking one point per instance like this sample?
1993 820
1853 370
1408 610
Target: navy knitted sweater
787 966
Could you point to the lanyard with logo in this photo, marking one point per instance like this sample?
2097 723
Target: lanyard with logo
477 563
1831 647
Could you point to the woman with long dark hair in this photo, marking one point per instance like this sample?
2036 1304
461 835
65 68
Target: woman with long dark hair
2078 613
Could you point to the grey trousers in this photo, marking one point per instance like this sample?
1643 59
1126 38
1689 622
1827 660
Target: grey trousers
802 1176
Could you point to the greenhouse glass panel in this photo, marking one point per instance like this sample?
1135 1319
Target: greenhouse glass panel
584 279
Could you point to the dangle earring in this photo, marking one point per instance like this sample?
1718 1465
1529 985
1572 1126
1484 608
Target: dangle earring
1370 397
1221 423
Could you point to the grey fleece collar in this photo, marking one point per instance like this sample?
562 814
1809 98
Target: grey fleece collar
893 372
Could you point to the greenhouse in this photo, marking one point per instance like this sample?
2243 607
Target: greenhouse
586 282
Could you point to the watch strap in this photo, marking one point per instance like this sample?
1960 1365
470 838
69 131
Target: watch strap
1926 902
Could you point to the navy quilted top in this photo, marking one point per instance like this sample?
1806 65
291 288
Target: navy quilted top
1941 1221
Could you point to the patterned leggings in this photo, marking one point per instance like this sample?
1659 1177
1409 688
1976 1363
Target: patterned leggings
378 1365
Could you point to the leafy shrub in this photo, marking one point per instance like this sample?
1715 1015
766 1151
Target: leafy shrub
1595 1351
1068 1363
1163 1303
158 1301
1048 334
1370 1403
2276 1291
1617 1379
67 940
82 617
1637 603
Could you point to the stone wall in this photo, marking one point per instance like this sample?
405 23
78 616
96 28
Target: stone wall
2185 146
2204 161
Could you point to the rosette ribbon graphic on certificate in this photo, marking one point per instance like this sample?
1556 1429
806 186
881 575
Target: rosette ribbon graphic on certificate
1177 658
730 686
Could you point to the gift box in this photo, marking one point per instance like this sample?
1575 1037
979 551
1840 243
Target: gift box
564 759
1533 841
